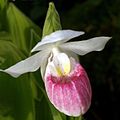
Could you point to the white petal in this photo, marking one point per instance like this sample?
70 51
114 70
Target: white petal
59 36
43 66
30 64
86 46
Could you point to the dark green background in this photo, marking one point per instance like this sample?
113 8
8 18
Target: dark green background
96 18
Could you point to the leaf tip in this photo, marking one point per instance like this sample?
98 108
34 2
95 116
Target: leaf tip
51 4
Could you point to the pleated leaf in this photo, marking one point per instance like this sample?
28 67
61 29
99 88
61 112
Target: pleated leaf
3 22
19 26
16 100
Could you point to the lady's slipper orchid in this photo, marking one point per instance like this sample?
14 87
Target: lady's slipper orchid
66 81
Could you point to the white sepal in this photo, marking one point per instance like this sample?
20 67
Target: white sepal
59 36
86 46
30 64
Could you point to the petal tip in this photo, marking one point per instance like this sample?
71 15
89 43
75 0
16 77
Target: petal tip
1 70
109 38
34 49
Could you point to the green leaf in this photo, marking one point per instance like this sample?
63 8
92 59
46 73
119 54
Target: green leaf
4 35
35 38
3 22
42 108
16 100
2 4
52 21
43 111
19 26
56 114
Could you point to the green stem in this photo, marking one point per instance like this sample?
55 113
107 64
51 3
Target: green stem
75 118
79 118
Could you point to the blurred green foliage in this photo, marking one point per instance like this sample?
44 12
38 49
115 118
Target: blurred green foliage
96 18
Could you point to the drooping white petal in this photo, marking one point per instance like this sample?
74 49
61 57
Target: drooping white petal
43 66
86 46
28 65
59 36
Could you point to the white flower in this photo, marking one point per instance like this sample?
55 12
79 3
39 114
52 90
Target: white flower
66 82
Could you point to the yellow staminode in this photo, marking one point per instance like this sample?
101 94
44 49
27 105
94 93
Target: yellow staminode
64 69
59 71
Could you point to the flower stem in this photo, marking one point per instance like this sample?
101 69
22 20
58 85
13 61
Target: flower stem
75 118
79 118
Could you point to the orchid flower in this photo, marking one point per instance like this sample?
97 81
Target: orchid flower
66 82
